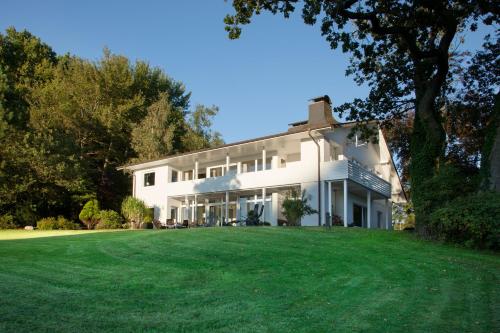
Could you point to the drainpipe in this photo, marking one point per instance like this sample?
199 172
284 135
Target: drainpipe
319 176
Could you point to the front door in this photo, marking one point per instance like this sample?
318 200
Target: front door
357 215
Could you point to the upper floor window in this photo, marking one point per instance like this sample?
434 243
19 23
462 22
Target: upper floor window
248 166
175 176
268 163
149 179
216 172
233 168
259 164
188 175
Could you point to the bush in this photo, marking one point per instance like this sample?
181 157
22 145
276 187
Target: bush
7 222
135 211
295 207
472 221
65 224
48 223
59 223
448 184
109 219
90 214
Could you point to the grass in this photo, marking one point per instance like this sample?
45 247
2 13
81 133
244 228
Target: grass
244 280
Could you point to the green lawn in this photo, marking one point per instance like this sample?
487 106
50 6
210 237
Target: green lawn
244 280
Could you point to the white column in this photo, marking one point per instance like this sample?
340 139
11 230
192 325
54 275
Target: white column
329 199
238 167
274 208
206 210
256 165
263 203
263 158
168 210
369 209
186 201
226 212
195 176
387 213
238 207
345 202
195 209
227 163
133 185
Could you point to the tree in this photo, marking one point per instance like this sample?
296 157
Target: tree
25 62
295 207
87 113
90 214
66 123
200 135
134 210
401 49
153 136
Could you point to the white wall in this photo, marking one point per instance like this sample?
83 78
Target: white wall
154 196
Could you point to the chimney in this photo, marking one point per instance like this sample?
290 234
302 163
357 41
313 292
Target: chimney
320 111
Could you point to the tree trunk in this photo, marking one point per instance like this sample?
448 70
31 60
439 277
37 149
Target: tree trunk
490 167
426 149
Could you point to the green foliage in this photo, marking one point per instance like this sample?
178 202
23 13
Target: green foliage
48 223
199 134
7 222
134 211
67 123
295 207
59 223
446 185
90 214
471 220
153 136
109 219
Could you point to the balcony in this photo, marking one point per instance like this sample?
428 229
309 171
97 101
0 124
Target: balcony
293 173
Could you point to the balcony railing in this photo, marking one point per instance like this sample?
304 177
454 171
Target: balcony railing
364 177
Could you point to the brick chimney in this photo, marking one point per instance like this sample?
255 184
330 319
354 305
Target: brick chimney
320 111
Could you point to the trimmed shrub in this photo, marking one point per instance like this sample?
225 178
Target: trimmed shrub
7 222
59 223
472 221
109 219
90 214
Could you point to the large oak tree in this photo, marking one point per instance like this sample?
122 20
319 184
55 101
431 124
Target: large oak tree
401 49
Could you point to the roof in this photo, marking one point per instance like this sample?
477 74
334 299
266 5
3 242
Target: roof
298 129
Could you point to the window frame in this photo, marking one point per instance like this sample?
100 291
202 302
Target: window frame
147 179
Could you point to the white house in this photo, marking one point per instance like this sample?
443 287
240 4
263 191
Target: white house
355 180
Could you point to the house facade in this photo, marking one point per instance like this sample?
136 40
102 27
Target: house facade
344 177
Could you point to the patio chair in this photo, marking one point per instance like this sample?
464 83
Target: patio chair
254 217
170 224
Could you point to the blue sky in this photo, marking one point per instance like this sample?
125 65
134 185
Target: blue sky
261 82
